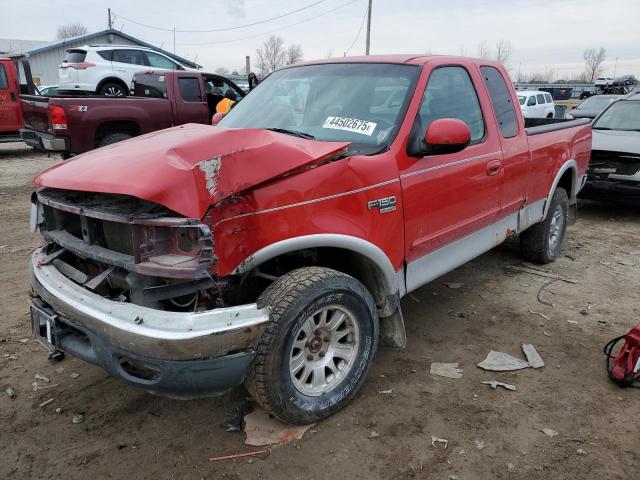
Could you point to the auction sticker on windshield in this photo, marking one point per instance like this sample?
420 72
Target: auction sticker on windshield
350 125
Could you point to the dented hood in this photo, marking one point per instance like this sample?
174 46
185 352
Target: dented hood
188 168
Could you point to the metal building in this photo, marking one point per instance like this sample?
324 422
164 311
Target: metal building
44 59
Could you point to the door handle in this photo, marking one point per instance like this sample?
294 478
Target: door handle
13 96
494 167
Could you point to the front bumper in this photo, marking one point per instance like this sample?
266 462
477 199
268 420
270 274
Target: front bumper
188 354
610 188
44 141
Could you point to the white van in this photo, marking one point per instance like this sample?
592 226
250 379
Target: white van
536 104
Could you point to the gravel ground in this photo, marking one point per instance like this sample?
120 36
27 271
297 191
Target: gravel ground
126 433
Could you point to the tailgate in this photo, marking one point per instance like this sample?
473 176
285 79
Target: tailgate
35 111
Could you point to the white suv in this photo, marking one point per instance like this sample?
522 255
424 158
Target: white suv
536 104
108 69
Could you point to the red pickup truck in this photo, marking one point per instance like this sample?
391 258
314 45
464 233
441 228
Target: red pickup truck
72 125
10 88
274 248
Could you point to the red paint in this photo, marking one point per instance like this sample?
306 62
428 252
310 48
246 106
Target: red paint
448 131
266 191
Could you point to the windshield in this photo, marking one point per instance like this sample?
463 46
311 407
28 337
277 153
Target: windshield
622 115
595 103
362 103
521 99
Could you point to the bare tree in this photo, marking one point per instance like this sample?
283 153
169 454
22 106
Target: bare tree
593 58
484 52
271 55
293 54
71 30
503 51
222 71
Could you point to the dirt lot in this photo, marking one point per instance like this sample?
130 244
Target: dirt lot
127 433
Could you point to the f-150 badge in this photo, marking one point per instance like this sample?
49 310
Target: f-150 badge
385 205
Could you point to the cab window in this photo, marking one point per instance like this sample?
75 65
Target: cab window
532 101
450 94
501 101
540 98
548 97
3 78
189 89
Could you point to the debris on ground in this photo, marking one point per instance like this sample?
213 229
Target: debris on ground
575 322
500 362
435 441
77 419
454 285
39 376
385 392
581 452
46 402
549 432
373 434
263 429
533 312
75 375
495 384
37 387
234 424
58 410
534 359
11 392
60 370
449 370
23 340
256 453
479 444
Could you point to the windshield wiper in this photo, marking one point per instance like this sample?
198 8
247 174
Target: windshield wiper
295 133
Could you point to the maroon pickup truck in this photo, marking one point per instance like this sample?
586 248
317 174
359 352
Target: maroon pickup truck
73 125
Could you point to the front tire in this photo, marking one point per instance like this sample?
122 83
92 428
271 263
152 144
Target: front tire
113 138
315 352
542 243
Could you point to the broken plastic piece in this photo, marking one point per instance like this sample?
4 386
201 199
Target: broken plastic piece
549 432
449 370
495 384
437 440
500 362
534 359
262 429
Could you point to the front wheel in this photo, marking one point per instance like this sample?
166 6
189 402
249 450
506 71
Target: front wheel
542 242
315 352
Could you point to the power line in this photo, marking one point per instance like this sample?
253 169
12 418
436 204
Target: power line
270 31
364 17
224 28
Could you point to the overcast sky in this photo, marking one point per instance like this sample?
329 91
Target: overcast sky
543 33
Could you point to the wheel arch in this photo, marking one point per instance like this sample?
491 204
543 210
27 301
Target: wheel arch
567 178
115 126
352 255
112 80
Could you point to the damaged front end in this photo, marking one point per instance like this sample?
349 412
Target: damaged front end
613 174
125 284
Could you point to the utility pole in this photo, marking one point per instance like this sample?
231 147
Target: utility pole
615 67
110 22
368 28
174 40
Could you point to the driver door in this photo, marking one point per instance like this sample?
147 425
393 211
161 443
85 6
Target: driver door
451 201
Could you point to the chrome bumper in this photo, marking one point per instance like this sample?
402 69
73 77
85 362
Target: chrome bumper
146 331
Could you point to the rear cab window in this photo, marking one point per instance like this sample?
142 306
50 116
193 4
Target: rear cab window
149 85
74 56
190 89
501 101
450 94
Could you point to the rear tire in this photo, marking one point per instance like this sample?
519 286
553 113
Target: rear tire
112 89
542 243
314 354
113 138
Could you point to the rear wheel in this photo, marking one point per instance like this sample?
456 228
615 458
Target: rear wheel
113 138
112 89
542 242
315 352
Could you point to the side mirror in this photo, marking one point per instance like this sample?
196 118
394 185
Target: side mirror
216 118
446 135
